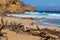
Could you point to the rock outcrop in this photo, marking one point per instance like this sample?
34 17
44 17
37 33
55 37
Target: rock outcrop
15 6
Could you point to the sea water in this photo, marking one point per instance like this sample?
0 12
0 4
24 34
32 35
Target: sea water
48 18
48 22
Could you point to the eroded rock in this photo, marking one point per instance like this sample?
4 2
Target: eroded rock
15 6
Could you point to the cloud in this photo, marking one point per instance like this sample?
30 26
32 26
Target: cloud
53 5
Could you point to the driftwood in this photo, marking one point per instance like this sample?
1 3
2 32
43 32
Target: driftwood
19 28
2 37
38 28
57 33
44 33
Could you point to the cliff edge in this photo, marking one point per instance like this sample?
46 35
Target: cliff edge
15 6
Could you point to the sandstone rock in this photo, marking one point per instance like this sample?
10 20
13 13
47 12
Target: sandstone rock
15 6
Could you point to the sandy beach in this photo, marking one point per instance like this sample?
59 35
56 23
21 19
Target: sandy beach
29 20
27 23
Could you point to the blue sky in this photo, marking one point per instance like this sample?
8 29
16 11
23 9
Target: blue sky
43 3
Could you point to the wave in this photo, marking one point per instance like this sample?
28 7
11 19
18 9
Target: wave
48 22
32 13
54 14
37 15
22 15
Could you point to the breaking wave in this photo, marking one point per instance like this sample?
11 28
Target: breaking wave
37 15
53 18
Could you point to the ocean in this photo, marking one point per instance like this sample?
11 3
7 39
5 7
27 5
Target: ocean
48 18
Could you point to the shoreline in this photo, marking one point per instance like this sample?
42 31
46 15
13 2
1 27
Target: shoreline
27 25
25 21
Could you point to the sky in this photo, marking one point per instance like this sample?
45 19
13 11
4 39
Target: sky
43 3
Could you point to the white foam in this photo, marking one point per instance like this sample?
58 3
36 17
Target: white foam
54 14
32 13
38 15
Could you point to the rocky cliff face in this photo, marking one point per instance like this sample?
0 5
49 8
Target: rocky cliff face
15 6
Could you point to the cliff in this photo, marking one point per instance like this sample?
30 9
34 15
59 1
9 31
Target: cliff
15 6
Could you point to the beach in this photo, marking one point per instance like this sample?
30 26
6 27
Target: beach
25 21
29 20
27 25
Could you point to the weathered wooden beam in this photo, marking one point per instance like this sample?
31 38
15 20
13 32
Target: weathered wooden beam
38 28
2 21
